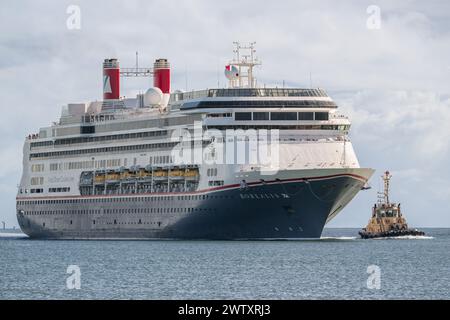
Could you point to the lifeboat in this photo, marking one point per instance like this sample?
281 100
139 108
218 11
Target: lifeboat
99 176
191 173
176 173
141 173
134 171
112 176
147 172
124 173
160 173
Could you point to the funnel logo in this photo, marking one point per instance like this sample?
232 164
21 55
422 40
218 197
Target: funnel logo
107 84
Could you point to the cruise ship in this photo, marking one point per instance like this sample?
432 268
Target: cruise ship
242 162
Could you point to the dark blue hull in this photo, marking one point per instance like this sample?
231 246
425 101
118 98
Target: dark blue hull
277 210
296 213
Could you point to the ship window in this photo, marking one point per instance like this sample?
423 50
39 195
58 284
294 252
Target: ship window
87 129
242 116
306 116
321 115
260 116
283 116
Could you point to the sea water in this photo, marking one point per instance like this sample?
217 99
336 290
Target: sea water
338 266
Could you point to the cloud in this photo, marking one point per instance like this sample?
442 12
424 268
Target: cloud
393 81
416 121
407 133
10 159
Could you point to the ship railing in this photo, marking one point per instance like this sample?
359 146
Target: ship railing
337 116
33 136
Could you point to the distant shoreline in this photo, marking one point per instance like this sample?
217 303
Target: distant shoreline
9 230
18 230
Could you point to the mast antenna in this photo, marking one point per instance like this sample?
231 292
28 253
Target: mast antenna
186 77
386 178
244 60
137 61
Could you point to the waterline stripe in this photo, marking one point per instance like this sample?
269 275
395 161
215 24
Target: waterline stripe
226 187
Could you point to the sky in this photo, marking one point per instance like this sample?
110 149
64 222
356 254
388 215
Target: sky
390 75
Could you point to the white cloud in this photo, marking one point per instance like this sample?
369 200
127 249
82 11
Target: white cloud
415 121
393 81
407 133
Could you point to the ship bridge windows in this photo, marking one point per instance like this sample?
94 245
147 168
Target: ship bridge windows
251 92
266 92
259 104
281 127
283 116
242 116
260 116
305 116
219 115
321 116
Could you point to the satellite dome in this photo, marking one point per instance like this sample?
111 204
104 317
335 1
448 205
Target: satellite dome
231 72
153 96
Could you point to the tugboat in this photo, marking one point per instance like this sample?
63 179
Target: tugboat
387 219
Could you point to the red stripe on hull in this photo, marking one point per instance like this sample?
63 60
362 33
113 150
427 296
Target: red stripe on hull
230 186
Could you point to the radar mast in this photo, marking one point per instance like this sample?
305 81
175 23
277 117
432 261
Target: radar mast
386 178
383 197
244 61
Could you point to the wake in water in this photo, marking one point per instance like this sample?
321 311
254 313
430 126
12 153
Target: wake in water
299 239
406 238
337 238
381 238
12 235
17 235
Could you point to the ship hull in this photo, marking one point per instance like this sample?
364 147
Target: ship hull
277 209
390 234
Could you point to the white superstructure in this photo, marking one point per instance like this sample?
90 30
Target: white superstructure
182 144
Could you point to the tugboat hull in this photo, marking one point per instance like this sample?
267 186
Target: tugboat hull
387 220
390 234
